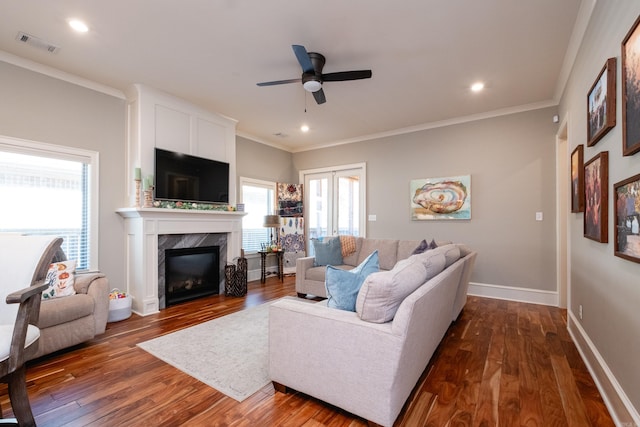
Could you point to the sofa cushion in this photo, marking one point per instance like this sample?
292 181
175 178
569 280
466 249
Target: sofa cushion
60 278
343 285
327 251
382 293
405 248
63 310
451 253
387 251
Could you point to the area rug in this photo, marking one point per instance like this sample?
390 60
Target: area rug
229 354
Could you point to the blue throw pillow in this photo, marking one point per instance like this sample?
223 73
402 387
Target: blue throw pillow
343 285
327 251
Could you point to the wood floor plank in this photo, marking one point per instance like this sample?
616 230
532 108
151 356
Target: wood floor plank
501 362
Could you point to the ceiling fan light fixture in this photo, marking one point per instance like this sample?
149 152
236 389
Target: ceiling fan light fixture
312 85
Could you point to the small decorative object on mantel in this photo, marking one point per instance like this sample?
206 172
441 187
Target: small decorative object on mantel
138 180
169 204
148 192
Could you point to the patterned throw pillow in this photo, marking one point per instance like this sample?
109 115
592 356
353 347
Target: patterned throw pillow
60 278
348 245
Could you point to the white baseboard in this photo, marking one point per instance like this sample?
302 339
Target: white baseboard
533 296
618 404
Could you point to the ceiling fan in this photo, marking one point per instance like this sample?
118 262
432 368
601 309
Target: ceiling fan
312 77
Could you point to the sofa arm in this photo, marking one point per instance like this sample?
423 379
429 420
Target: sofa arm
84 280
303 264
96 285
334 356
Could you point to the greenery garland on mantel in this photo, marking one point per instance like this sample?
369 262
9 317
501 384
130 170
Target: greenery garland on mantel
167 204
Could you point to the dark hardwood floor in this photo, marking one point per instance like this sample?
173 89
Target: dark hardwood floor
502 363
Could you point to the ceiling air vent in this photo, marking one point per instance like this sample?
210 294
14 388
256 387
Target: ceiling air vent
37 42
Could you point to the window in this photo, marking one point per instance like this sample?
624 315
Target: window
259 200
51 190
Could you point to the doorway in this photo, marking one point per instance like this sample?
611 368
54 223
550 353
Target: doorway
334 200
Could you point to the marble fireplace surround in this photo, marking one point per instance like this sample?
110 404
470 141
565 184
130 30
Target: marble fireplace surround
195 240
144 227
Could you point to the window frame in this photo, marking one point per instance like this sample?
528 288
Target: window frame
273 186
61 152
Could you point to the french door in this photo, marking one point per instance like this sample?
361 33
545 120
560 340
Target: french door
334 200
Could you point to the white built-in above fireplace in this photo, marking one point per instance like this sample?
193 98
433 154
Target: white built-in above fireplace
142 228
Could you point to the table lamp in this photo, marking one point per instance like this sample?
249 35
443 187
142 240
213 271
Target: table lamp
272 221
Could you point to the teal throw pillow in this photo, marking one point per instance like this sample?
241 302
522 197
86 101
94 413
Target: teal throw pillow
328 251
343 285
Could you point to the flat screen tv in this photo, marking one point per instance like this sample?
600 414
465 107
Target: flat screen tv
182 177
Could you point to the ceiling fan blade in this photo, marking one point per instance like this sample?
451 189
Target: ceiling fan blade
346 75
319 96
279 82
303 58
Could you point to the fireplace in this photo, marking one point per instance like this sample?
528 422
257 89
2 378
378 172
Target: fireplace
191 273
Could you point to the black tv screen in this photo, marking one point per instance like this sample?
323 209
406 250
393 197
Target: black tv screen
182 177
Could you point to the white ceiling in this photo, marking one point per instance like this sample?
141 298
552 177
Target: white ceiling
424 54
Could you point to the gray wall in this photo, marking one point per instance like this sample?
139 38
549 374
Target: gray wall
511 160
259 161
44 109
607 287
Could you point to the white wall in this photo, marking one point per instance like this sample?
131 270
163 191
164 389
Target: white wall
607 287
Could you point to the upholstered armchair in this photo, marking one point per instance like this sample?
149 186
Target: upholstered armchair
24 261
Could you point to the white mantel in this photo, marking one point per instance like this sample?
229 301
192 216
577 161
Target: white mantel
142 227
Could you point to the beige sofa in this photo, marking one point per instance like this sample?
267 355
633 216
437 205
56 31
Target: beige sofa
310 278
365 367
76 318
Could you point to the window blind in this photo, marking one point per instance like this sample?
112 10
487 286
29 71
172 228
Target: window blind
47 195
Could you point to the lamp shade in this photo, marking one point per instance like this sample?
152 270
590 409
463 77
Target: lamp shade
271 221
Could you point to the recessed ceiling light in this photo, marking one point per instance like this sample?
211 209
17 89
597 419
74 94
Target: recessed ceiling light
477 87
78 25
304 128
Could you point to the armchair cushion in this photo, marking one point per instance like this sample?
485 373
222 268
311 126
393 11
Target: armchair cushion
65 310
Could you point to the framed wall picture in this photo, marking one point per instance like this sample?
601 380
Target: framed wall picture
577 179
596 196
601 103
631 91
441 198
627 206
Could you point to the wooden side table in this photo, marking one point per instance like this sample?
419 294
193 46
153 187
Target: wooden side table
263 265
